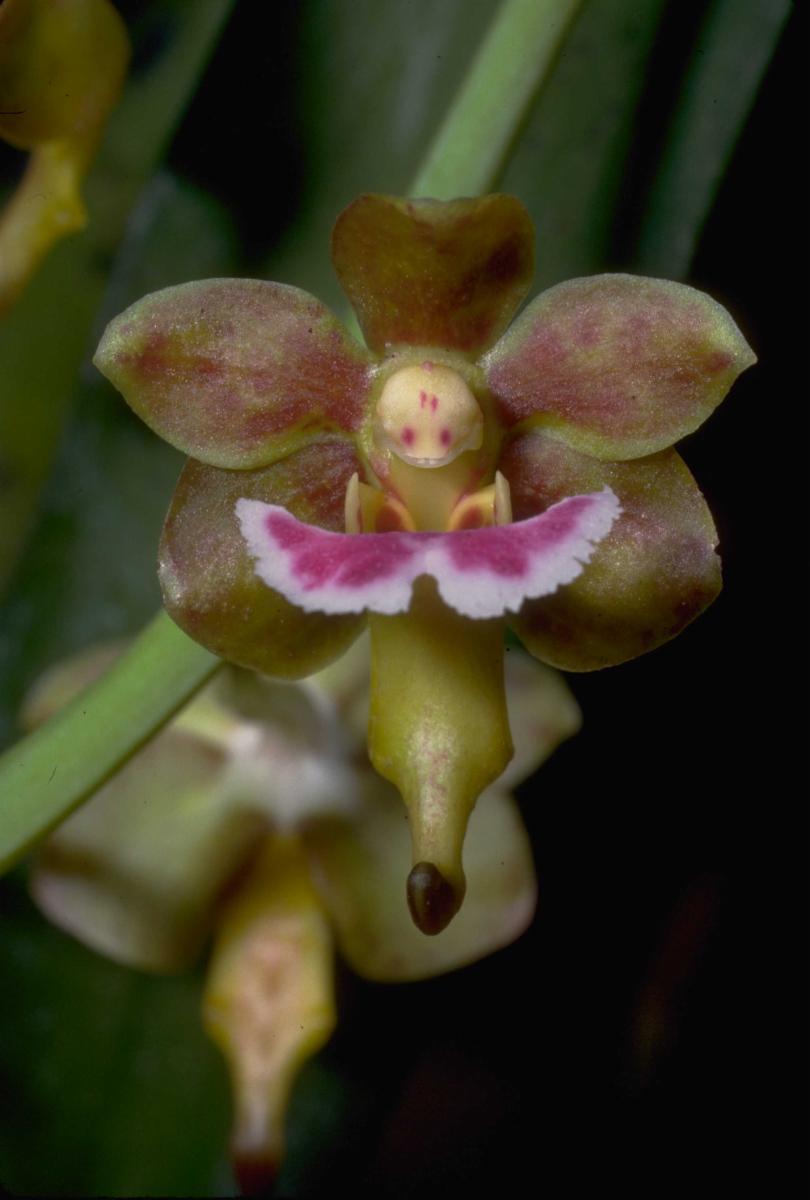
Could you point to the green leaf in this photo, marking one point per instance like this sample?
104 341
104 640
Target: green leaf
119 1091
91 572
567 166
49 773
570 164
730 58
390 71
468 151
115 1089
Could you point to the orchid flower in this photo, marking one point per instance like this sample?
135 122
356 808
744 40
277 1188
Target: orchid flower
62 67
450 479
257 816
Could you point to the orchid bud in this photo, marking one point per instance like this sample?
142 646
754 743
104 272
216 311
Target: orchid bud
62 65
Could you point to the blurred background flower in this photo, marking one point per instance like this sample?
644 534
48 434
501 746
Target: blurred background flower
256 814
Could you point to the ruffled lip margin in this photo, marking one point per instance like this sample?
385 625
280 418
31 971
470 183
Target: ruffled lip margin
481 573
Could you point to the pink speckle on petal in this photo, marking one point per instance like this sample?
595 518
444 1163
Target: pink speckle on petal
718 360
588 333
422 399
434 403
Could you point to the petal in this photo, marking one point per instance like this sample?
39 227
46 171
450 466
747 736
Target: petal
650 577
480 572
288 756
431 272
542 713
236 372
135 873
269 1001
210 587
619 366
360 866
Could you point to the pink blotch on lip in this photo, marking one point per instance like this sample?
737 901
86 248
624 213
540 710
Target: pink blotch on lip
506 555
407 436
445 437
320 561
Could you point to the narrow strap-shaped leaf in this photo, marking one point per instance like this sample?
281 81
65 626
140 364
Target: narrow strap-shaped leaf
49 773
470 147
104 1062
730 58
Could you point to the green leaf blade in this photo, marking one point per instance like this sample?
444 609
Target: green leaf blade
730 58
47 775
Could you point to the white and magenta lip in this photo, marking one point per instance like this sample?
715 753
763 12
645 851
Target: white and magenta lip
481 573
